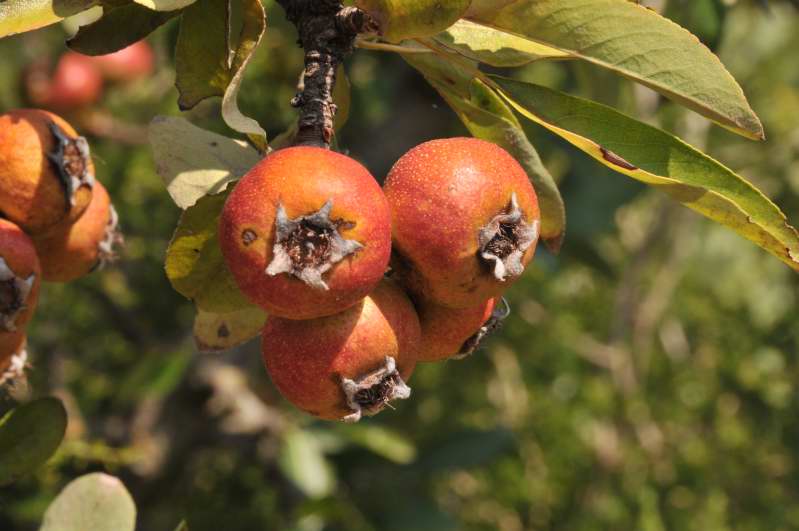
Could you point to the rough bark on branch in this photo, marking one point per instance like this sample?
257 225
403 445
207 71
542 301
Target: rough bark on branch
327 33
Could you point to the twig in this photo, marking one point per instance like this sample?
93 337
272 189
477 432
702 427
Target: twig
327 32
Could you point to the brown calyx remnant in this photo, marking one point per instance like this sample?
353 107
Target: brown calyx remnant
308 246
16 366
505 239
14 293
71 161
493 324
113 239
370 394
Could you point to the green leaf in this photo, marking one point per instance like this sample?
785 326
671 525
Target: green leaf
29 435
207 66
217 332
118 28
494 47
657 158
94 502
164 5
182 526
487 116
18 16
303 462
202 53
252 31
194 262
384 442
637 43
194 162
407 19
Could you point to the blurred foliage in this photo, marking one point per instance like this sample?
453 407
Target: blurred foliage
647 378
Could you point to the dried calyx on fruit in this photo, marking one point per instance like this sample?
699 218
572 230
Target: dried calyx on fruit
13 356
371 393
308 246
465 220
490 326
347 365
306 233
71 160
20 277
14 293
46 173
505 239
75 249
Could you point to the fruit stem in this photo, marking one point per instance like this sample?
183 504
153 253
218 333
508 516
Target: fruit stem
327 32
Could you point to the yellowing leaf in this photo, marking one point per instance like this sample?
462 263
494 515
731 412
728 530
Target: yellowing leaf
194 162
657 158
494 47
164 5
637 43
18 16
194 262
216 332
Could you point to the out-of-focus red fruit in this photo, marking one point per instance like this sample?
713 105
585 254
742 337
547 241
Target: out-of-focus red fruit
46 172
306 233
465 220
13 356
20 278
454 333
74 250
76 82
349 364
128 64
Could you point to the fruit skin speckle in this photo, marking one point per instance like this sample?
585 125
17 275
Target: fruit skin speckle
307 360
445 330
301 180
74 250
35 193
442 194
20 277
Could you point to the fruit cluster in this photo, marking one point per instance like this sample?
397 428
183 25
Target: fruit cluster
361 283
77 80
56 221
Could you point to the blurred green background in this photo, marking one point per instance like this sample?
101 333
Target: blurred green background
647 378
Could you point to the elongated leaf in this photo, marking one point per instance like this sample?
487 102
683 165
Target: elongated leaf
384 442
655 157
29 435
637 43
118 28
494 47
194 262
18 16
94 502
252 31
207 66
194 162
302 461
202 53
217 332
487 116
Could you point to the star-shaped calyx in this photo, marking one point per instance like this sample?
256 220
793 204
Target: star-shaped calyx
14 293
71 160
370 394
505 239
308 246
